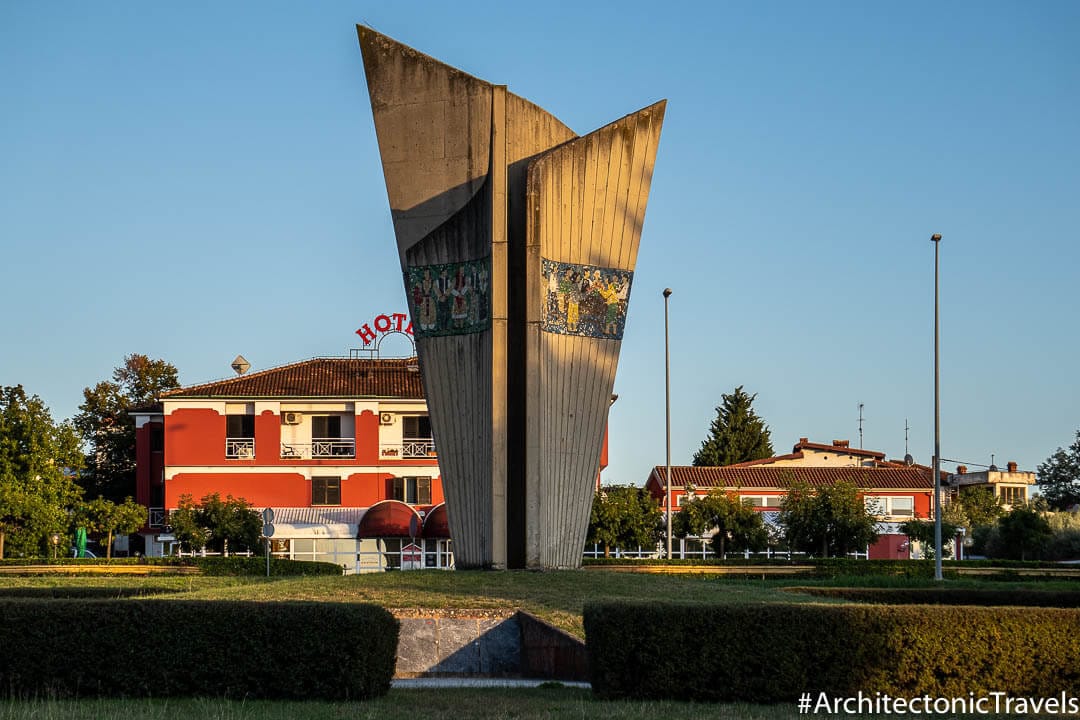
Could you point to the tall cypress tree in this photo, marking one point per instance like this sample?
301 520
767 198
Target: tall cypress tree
737 434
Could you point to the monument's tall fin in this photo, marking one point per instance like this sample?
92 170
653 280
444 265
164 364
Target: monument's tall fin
477 248
433 123
587 200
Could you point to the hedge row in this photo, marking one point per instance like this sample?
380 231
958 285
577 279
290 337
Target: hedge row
214 565
160 648
949 596
774 653
84 592
256 566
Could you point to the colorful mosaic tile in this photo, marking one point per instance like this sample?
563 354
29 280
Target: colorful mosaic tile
585 299
451 299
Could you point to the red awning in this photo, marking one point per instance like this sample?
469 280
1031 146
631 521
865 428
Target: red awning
437 524
390 518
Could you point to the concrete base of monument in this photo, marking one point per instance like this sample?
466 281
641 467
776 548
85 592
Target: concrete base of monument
486 644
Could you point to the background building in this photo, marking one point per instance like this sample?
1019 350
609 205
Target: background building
895 492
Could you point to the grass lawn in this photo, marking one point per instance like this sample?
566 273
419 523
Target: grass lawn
546 703
556 596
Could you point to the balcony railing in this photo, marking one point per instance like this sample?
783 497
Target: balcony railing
409 448
157 517
240 448
319 448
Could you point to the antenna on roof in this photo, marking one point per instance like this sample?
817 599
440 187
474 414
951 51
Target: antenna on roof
860 425
908 460
240 365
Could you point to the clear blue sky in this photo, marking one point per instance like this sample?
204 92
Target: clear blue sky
200 179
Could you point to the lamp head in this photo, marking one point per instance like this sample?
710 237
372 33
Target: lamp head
936 237
667 292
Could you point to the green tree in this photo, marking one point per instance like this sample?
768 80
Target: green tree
229 525
981 508
734 523
736 435
1059 477
1024 531
831 520
624 516
107 428
37 461
108 518
922 532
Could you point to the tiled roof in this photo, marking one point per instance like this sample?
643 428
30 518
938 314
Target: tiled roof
318 378
842 449
730 476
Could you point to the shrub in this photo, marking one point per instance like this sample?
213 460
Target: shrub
949 596
256 566
774 653
332 651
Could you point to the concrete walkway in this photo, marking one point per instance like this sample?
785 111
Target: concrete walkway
478 682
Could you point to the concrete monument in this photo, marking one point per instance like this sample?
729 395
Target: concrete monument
518 241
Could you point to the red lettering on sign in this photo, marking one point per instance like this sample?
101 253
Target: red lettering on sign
366 334
385 323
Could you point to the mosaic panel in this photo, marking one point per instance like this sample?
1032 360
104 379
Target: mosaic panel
451 299
585 299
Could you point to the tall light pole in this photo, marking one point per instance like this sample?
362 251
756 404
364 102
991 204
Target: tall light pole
667 416
936 239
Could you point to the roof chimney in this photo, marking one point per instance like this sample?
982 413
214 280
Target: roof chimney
1011 466
841 443
803 441
961 469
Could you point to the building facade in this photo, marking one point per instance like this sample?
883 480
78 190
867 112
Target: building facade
340 448
1011 486
894 492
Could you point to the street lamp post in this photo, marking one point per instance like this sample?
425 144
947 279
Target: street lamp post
936 239
667 416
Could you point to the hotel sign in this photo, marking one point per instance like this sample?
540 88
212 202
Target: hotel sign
383 325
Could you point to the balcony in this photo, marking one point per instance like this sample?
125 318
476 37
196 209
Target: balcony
319 448
409 448
240 448
157 518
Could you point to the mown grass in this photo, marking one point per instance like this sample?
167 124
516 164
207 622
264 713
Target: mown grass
556 596
544 703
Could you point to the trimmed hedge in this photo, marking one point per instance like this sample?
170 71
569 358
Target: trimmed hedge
774 653
83 592
949 596
256 566
160 648
236 565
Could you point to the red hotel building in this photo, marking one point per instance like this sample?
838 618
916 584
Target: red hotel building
339 448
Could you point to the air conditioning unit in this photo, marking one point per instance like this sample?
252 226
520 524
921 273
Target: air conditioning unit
245 453
291 418
386 418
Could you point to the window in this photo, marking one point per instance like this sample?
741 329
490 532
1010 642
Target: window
240 436
416 426
326 427
240 426
326 490
904 506
157 438
413 490
882 506
1012 495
